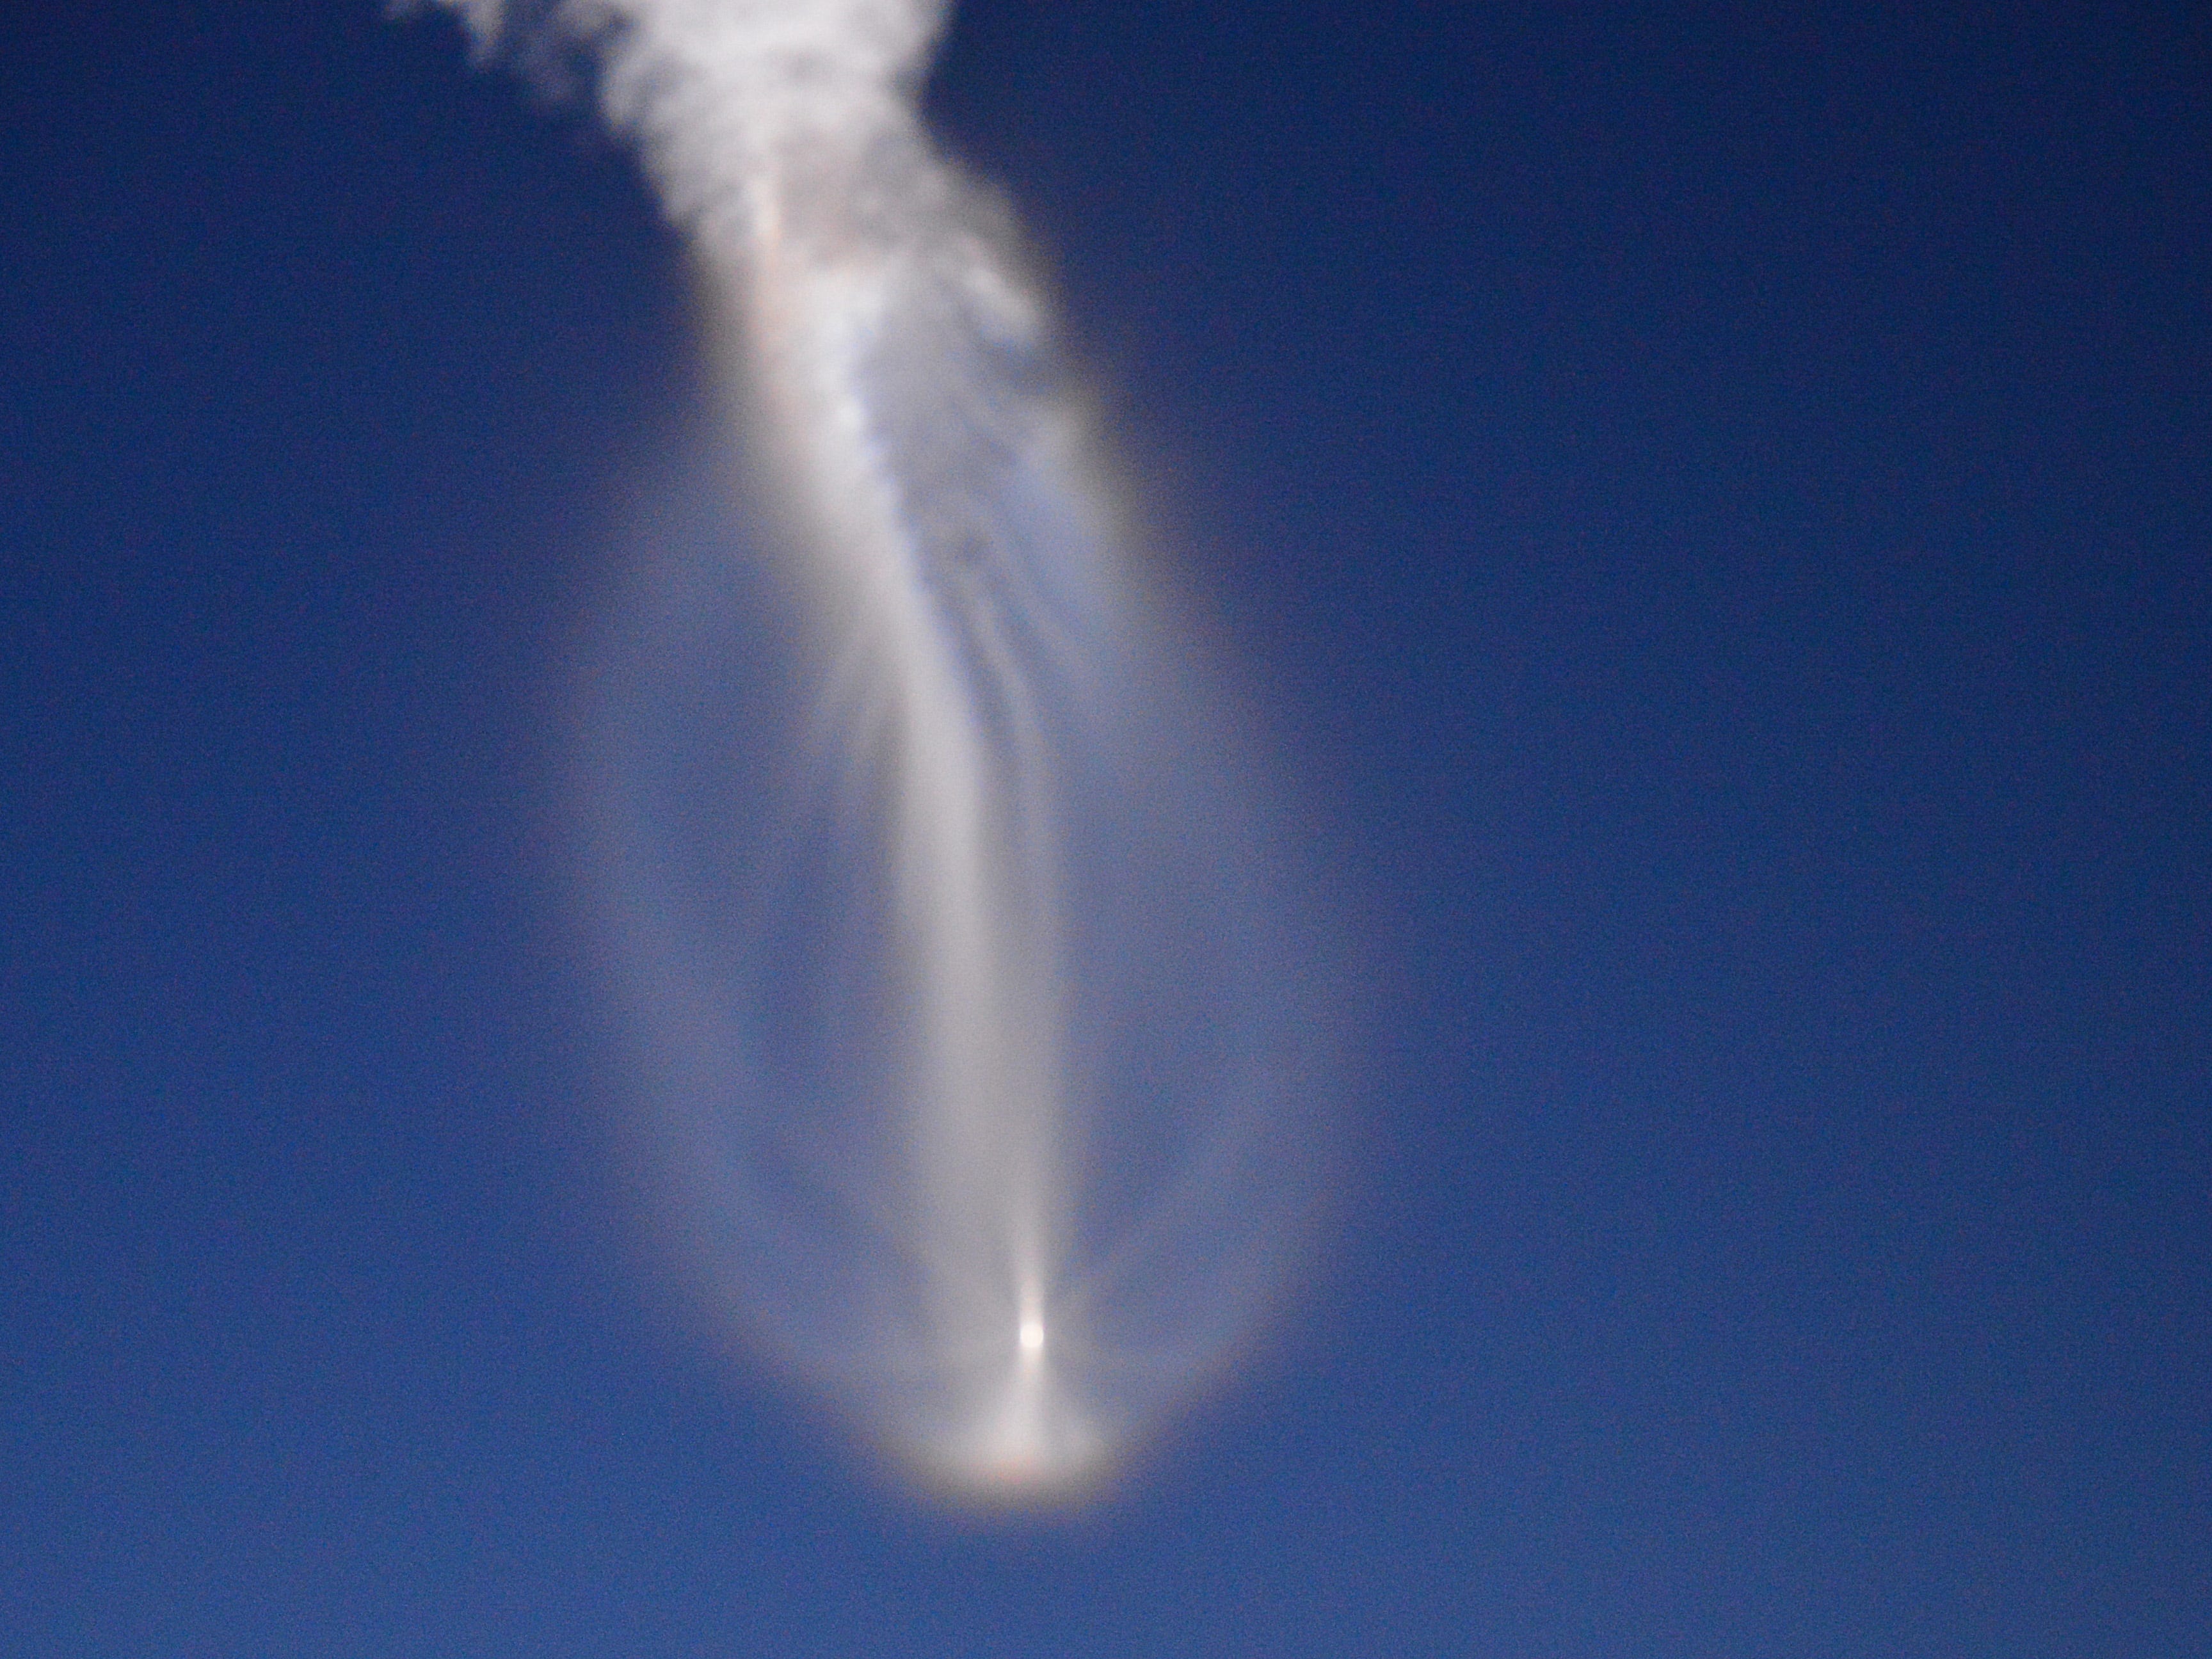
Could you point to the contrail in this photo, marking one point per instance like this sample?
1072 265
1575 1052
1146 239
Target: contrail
985 1103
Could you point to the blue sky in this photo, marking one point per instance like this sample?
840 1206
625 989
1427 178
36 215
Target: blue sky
1718 503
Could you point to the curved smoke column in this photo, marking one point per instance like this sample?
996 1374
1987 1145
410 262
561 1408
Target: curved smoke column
974 984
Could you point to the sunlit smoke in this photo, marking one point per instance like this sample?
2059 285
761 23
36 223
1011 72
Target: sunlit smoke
981 1011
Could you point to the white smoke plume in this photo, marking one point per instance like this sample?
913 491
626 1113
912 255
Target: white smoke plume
974 987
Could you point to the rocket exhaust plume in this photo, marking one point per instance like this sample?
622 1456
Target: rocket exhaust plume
978 1014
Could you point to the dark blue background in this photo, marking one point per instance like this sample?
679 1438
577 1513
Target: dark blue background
1720 501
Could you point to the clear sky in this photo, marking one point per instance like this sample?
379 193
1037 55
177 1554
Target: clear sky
1720 504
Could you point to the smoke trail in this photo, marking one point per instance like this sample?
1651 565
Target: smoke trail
981 1076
